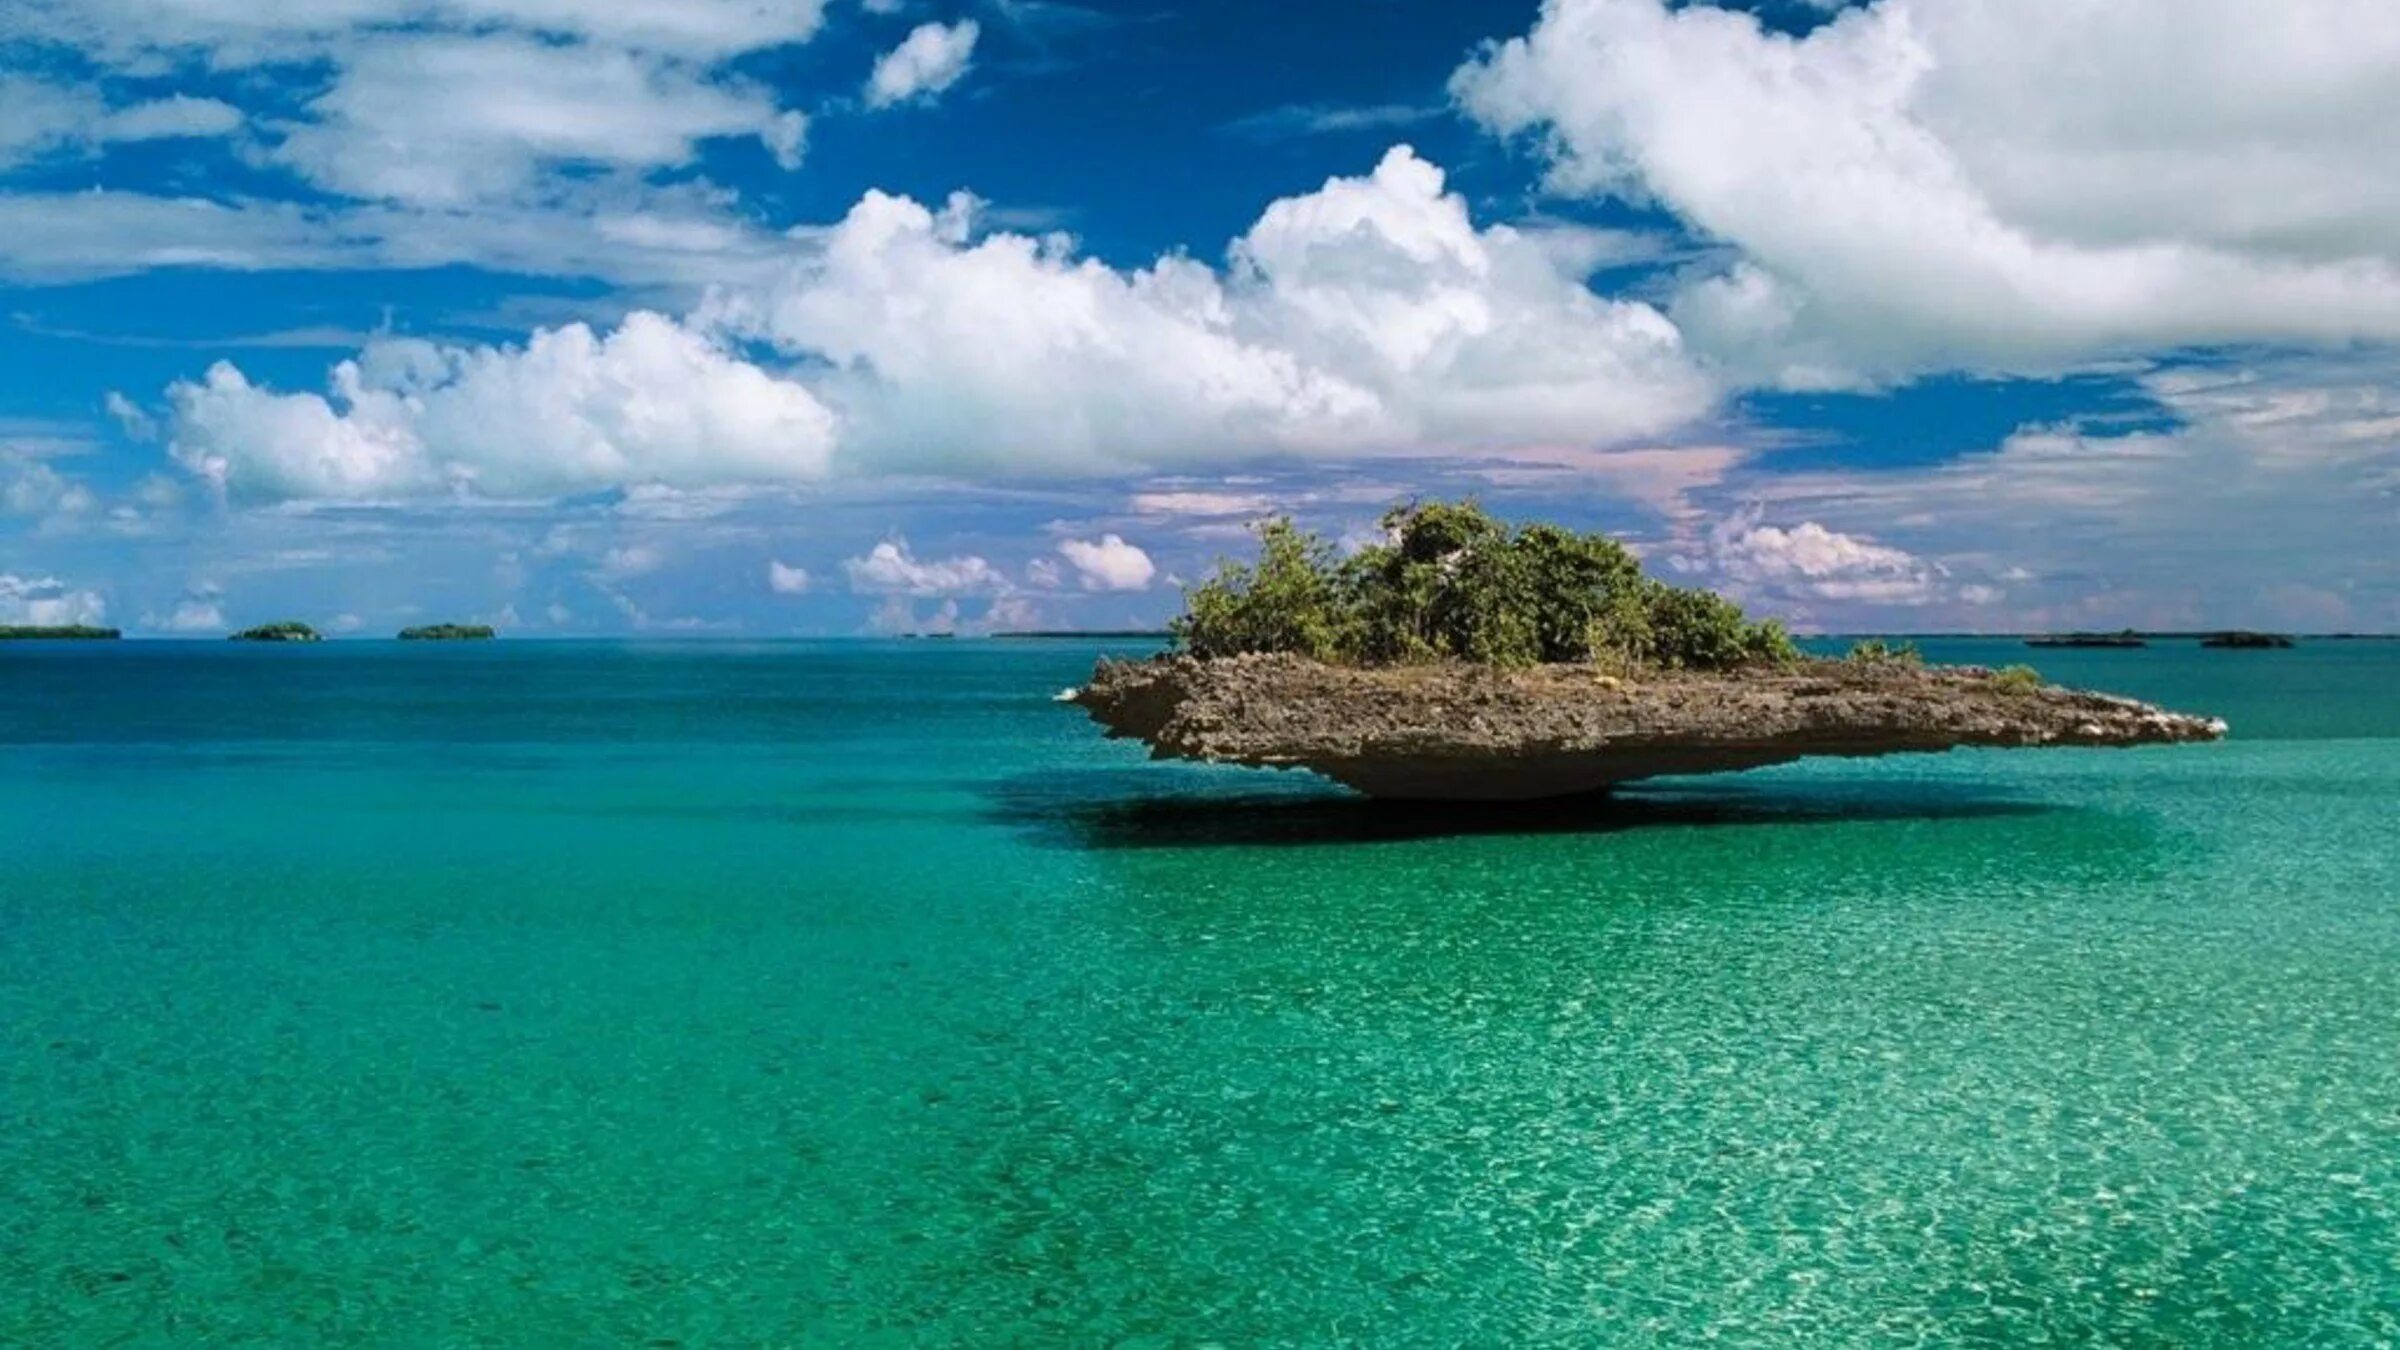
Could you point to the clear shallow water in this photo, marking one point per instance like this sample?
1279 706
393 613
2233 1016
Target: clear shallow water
856 994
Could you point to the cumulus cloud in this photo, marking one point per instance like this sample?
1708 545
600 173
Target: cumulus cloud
890 569
928 61
193 614
30 487
896 616
1108 563
654 401
1809 561
1371 314
784 579
2001 184
48 602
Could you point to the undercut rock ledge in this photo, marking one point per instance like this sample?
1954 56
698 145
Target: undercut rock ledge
1471 733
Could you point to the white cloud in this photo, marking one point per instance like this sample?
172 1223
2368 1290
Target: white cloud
680 238
2018 184
928 61
573 410
176 117
47 602
890 569
157 492
137 424
630 560
39 117
200 609
1108 563
235 33
74 236
193 615
1320 119
558 113
1369 315
1187 502
2278 477
1807 560
784 579
897 616
450 121
30 487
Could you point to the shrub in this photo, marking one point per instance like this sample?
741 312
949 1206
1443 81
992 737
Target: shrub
1701 630
2017 681
1288 602
1877 652
1449 582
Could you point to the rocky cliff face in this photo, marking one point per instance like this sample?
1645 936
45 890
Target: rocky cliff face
1477 734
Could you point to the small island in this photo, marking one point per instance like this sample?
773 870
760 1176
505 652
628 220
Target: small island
2127 638
69 632
1468 660
2245 640
449 632
286 631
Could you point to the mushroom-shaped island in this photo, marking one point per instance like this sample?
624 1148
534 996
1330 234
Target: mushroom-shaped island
1467 660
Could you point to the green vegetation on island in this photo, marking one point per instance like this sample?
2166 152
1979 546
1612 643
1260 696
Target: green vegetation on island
1450 582
2018 680
286 631
68 632
448 632
1879 652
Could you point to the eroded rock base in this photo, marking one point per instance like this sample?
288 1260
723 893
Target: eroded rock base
1469 733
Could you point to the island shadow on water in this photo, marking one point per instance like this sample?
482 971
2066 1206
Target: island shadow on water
1135 809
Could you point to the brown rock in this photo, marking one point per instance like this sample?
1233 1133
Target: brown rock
1468 733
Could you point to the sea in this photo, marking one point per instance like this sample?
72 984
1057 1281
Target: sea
857 993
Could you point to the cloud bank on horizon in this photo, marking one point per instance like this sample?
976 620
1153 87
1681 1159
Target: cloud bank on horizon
1728 287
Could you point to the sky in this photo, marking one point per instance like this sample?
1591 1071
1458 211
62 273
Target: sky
796 317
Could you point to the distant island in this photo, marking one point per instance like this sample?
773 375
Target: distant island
287 631
2127 638
1466 659
2244 640
70 632
449 632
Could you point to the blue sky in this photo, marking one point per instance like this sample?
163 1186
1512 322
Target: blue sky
762 318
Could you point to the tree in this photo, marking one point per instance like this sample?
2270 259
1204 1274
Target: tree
1450 582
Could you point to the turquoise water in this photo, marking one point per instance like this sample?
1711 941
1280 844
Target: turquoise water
854 994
